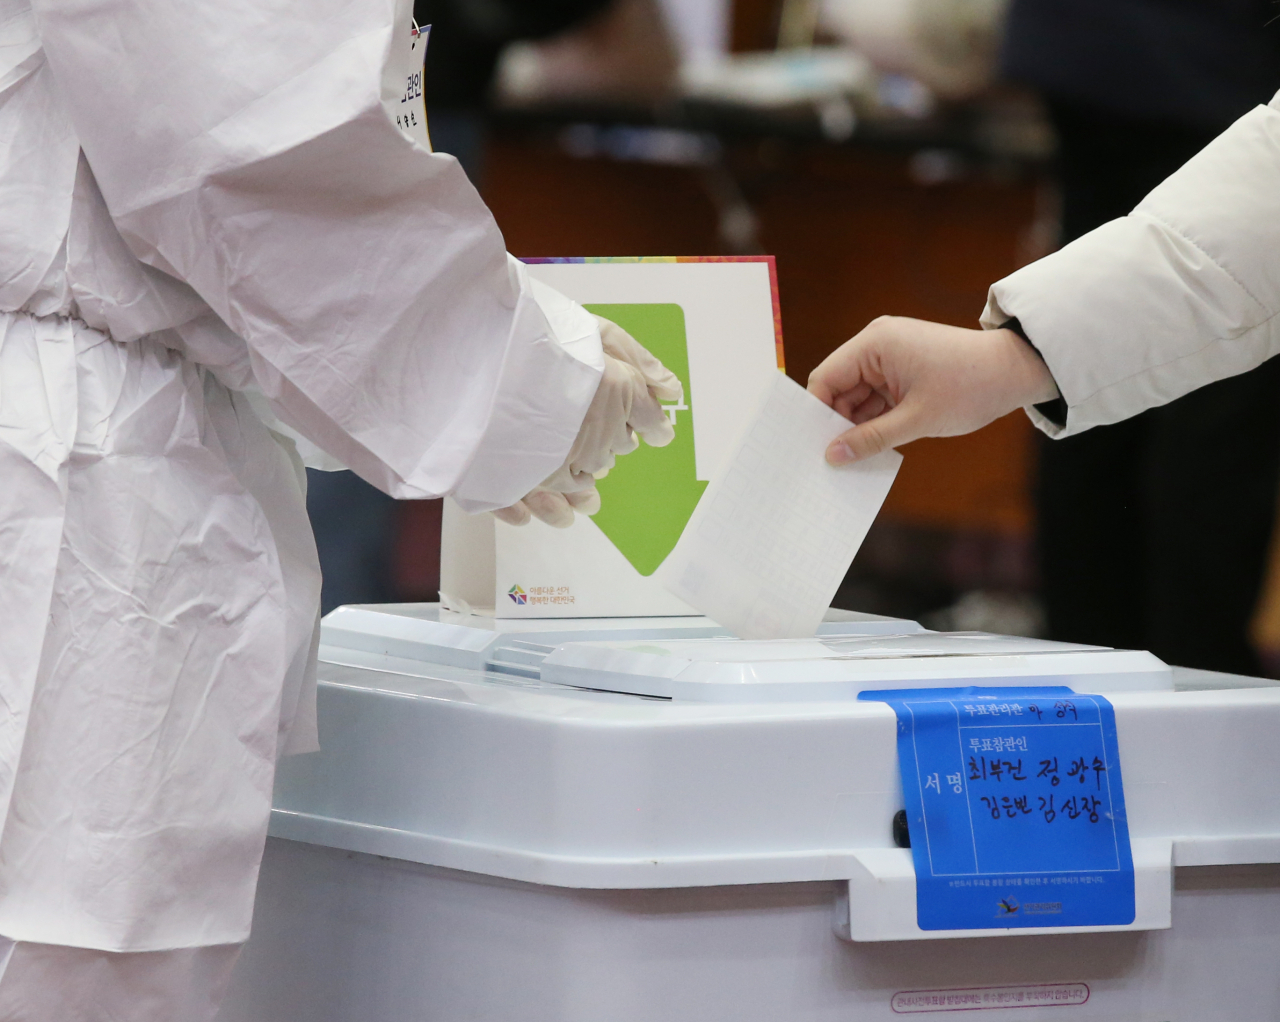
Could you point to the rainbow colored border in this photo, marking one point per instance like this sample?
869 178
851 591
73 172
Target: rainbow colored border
773 278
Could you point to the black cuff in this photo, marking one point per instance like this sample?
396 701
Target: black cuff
1056 410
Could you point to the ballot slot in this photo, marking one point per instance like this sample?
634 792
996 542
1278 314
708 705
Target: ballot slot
516 656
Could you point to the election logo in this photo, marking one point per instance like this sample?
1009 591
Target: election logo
518 596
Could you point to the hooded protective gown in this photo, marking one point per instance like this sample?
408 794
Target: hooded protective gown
209 218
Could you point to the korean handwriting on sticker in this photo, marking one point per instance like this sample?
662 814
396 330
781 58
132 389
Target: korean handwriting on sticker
1050 806
981 769
1080 771
1060 710
1006 807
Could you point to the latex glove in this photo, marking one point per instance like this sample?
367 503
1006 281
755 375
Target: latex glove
902 379
626 404
551 506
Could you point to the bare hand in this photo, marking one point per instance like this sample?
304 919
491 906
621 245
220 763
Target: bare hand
901 379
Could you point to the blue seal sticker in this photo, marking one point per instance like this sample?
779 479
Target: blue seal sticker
1015 807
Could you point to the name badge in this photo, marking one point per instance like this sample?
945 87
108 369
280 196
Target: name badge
403 86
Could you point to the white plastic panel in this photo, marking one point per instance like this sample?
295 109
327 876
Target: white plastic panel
790 670
881 900
353 938
759 766
537 782
423 633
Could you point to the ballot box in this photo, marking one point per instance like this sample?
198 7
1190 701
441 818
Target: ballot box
649 821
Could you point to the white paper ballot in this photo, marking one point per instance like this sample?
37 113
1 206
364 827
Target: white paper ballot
777 528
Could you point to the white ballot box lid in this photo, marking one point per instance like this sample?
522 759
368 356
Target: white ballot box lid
839 667
425 633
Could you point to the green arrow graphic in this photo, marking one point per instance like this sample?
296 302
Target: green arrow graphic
648 497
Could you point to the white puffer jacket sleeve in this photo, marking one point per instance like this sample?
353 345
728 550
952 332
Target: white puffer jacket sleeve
1180 293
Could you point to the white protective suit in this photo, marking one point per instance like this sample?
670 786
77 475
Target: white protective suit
1180 293
208 212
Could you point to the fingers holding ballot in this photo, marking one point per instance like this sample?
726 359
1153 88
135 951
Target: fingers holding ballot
902 379
626 405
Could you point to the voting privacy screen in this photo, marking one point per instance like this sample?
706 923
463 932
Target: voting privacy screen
1015 807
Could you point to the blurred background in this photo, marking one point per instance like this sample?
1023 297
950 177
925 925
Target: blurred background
896 156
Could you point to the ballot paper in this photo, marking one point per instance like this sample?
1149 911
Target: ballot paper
777 528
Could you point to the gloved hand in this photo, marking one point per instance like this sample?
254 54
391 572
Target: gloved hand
626 403
902 379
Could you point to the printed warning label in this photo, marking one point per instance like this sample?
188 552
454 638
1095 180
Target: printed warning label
1036 995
